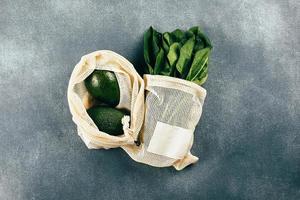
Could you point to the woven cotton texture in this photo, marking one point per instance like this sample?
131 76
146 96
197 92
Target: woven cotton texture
131 97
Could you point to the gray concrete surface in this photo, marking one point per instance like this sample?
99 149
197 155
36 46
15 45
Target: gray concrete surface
248 137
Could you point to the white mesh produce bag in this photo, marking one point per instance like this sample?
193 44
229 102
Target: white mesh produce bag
173 108
131 97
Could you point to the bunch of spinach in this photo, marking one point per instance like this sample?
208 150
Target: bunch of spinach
181 54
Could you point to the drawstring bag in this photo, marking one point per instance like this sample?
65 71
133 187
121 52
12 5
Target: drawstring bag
131 87
159 131
173 108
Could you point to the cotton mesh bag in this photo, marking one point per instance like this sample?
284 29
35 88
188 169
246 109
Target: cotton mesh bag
173 108
131 87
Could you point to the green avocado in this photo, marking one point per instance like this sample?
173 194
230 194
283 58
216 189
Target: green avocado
103 85
107 119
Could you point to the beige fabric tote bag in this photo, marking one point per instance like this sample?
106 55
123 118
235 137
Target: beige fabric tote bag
173 108
131 97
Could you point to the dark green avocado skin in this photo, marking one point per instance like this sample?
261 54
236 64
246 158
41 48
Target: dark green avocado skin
108 120
103 85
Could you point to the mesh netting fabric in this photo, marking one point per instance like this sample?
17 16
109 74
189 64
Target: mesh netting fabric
171 101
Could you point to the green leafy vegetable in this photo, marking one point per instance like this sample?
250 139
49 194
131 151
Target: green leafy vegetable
182 54
200 60
205 40
173 56
173 53
160 61
203 76
177 35
187 35
155 44
147 49
185 56
167 41
195 30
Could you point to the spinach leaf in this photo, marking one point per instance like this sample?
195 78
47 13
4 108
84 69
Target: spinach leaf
147 49
177 35
185 56
168 38
205 39
200 36
195 30
187 35
167 41
152 45
200 60
198 44
166 70
160 62
203 75
156 37
173 55
162 65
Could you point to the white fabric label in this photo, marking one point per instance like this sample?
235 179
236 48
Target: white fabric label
170 141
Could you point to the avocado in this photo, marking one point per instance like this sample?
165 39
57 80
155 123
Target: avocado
107 119
103 86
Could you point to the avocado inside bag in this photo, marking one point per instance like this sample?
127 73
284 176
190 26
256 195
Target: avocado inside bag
173 108
131 88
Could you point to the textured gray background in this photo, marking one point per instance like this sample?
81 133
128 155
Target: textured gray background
247 139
